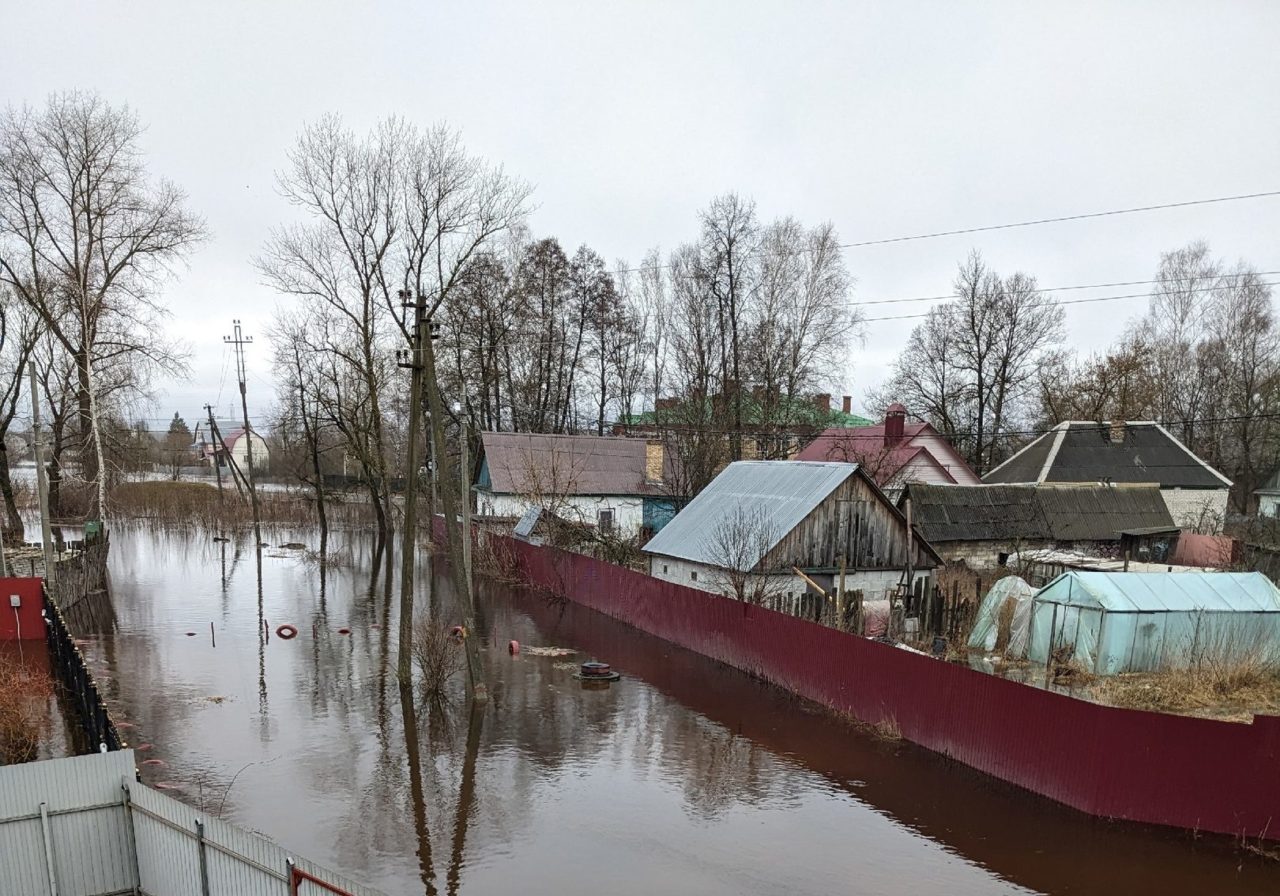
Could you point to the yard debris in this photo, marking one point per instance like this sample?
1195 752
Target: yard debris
549 651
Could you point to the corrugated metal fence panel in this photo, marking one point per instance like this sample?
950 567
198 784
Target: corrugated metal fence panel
82 796
1115 763
237 861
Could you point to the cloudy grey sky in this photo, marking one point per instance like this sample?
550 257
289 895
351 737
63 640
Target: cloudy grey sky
888 119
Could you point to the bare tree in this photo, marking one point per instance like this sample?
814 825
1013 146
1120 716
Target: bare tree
971 367
18 336
739 546
87 239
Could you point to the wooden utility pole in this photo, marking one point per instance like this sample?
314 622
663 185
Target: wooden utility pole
840 597
413 360
216 469
240 341
464 473
42 480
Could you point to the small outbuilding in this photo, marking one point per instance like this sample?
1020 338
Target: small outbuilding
766 530
1147 622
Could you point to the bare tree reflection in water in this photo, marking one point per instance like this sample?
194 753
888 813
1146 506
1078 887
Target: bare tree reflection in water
466 796
264 720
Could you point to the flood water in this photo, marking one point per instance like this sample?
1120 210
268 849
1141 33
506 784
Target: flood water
683 777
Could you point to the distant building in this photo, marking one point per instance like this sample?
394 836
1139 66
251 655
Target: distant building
767 519
209 450
613 483
1269 496
773 428
1124 453
999 525
893 452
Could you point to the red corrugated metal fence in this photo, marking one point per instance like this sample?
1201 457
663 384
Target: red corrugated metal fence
1117 763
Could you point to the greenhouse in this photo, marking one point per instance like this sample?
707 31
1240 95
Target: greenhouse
1144 622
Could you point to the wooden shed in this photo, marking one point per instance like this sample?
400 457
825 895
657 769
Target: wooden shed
759 522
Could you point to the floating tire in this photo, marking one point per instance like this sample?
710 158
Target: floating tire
286 632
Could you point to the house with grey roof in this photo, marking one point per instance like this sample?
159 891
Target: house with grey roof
763 531
613 483
994 525
1124 453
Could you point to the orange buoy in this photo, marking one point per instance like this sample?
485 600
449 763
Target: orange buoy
514 647
286 631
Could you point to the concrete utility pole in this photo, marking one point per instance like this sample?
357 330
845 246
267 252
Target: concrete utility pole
42 481
411 359
240 341
216 469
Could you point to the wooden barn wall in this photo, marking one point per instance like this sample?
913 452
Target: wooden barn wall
854 522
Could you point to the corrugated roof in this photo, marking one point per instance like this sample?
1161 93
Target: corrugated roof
1083 452
522 463
946 513
1152 592
781 492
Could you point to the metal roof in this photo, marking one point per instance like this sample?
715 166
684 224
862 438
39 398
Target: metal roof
1157 592
1076 451
782 492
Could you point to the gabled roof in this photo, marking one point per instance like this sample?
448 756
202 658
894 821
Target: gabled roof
1075 451
781 492
1007 513
865 445
1139 592
522 463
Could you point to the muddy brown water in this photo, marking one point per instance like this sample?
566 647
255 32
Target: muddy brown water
684 777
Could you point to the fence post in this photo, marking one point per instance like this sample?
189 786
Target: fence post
204 861
48 848
126 803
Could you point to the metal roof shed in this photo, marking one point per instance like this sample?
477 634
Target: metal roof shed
1145 622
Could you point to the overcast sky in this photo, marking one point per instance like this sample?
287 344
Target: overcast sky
887 119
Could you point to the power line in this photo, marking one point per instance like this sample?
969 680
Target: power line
988 228
1043 289
1134 295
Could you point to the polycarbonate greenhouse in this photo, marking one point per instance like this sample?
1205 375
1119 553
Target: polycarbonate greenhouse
1146 622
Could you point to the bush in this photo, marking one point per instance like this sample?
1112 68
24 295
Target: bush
24 718
438 655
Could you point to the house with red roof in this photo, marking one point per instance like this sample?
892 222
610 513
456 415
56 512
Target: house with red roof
894 452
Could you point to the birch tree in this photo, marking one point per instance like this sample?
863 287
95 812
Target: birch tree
87 238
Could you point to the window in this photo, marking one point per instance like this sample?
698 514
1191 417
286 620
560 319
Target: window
693 576
1002 560
604 521
664 569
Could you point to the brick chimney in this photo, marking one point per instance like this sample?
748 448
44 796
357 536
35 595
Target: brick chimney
822 401
1117 432
846 404
655 456
895 420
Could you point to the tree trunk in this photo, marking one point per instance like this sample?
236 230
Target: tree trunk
12 521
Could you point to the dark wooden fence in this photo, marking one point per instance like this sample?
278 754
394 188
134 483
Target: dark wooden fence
77 682
1186 772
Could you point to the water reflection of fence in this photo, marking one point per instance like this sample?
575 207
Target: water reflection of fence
1110 762
85 826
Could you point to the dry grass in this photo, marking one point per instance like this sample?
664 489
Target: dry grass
24 720
201 504
438 655
1233 690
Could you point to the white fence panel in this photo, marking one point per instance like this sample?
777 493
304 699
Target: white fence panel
99 849
82 799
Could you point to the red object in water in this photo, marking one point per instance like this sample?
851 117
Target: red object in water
27 623
344 631
286 632
514 647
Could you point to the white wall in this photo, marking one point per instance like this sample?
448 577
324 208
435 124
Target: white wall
1188 506
939 448
628 510
1268 505
261 454
874 584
